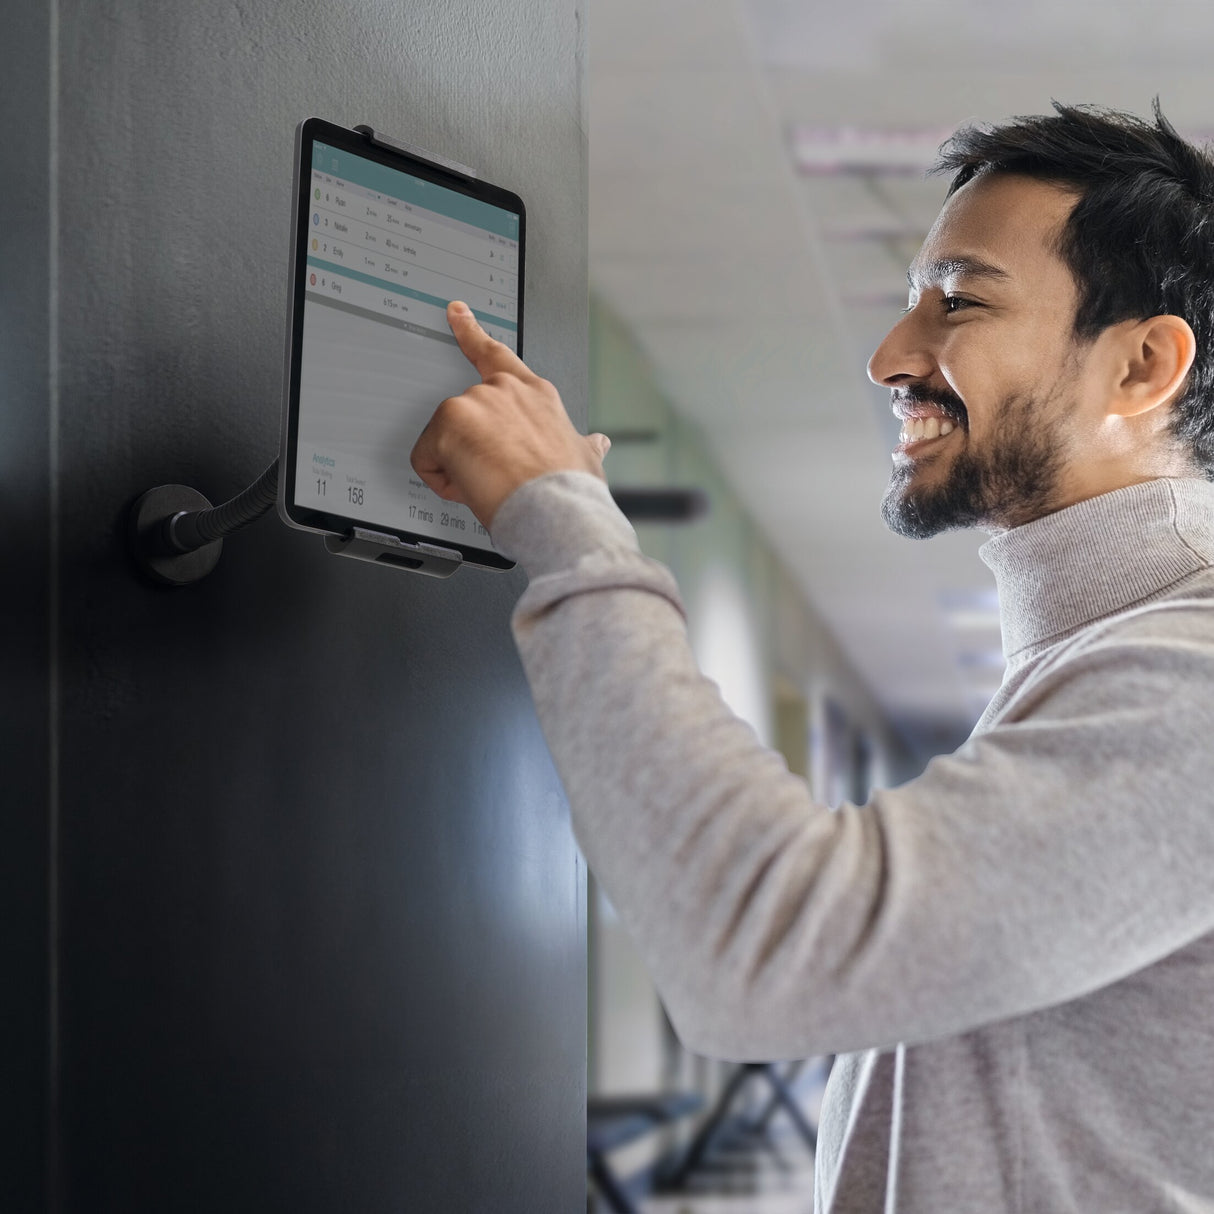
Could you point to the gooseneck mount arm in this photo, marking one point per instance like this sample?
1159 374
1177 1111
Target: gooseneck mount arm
176 535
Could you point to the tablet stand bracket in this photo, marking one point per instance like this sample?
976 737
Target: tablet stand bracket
364 545
443 162
176 536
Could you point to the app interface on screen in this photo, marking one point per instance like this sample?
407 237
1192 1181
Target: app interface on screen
386 253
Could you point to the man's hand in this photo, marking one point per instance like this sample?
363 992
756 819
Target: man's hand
510 428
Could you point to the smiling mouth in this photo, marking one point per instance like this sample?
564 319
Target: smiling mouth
916 430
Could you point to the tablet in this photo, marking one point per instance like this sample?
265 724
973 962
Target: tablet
384 238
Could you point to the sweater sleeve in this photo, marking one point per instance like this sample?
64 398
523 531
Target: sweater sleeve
1064 848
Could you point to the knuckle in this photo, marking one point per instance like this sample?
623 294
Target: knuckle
450 419
454 409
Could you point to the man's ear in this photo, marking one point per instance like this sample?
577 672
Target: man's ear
1154 359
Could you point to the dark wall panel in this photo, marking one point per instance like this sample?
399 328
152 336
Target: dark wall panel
25 701
322 916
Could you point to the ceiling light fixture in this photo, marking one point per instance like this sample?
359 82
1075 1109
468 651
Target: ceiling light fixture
851 150
874 152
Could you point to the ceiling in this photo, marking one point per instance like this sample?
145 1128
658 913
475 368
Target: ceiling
758 282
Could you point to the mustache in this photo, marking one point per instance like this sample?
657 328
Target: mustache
949 403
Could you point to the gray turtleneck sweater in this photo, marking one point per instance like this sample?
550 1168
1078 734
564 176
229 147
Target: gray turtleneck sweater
1013 952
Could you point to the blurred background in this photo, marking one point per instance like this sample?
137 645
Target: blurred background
758 188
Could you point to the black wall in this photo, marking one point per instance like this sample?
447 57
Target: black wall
25 686
292 916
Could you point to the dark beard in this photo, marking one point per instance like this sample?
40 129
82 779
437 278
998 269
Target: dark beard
1012 482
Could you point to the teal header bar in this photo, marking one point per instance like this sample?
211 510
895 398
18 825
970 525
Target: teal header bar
419 193
487 318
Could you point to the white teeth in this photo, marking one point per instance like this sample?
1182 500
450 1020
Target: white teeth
919 429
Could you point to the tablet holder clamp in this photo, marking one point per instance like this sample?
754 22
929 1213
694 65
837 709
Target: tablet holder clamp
176 536
383 549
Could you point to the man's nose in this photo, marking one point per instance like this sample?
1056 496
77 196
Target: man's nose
901 356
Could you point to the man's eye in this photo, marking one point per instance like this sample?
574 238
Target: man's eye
954 303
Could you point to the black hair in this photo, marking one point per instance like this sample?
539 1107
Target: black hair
1139 241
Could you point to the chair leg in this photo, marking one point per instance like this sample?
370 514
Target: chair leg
773 1104
703 1140
789 1101
611 1189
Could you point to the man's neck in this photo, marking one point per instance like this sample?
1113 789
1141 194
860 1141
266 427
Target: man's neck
1099 556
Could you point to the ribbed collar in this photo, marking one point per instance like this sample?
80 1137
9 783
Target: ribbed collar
1098 557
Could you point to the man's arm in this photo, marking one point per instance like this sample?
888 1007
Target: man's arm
1060 851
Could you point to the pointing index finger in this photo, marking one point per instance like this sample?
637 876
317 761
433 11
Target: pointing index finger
486 354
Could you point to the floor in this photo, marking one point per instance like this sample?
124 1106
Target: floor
751 1172
742 1178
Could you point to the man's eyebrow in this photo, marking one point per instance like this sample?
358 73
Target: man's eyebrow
946 267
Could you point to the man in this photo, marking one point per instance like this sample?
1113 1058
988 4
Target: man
1014 952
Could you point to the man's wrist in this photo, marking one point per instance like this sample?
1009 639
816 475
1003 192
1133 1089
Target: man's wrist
547 524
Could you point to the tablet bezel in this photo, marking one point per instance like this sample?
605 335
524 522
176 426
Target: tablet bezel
310 131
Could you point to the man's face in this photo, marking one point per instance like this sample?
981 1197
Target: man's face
983 368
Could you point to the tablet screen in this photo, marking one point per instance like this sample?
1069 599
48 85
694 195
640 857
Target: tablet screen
385 248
